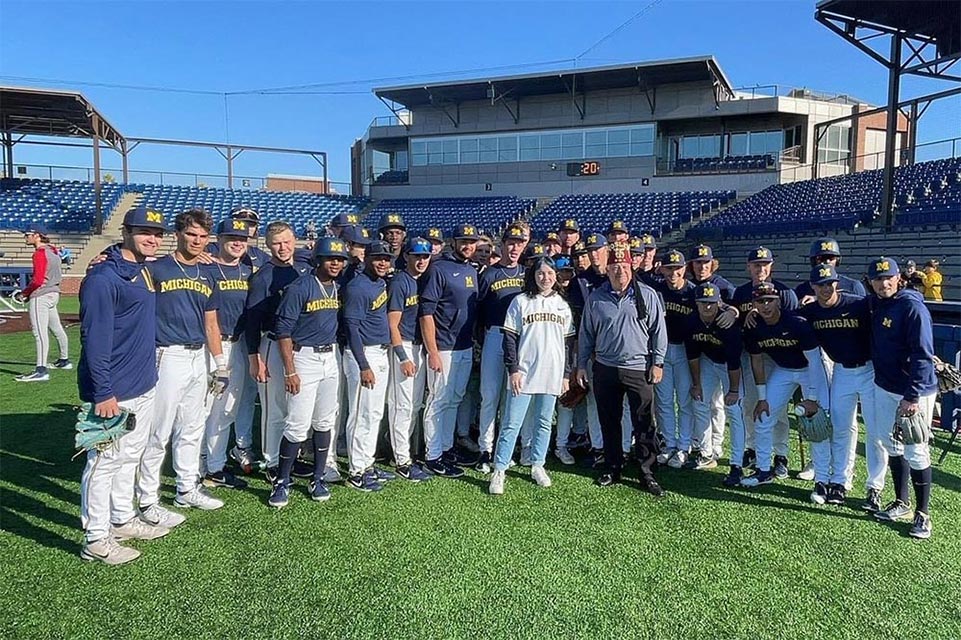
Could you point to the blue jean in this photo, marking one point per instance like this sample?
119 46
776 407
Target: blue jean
540 406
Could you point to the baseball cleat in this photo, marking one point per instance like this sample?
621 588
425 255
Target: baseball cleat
539 475
496 487
608 479
749 459
224 478
820 493
108 551
807 473
734 477
484 463
199 498
677 460
412 472
39 375
159 516
894 511
382 475
279 495
665 455
440 468
758 478
464 442
137 529
244 458
319 491
63 363
564 455
872 502
365 482
836 493
921 528
780 467
650 485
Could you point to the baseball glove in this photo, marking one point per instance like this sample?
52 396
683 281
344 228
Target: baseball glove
573 396
949 377
816 428
218 381
94 432
913 429
18 297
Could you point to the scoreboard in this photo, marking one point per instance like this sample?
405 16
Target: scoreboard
586 168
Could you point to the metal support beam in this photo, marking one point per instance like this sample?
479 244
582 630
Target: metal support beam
8 154
442 106
649 92
393 109
894 90
502 98
572 89
913 132
98 202
123 157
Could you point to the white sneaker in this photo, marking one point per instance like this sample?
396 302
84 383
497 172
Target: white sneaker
525 456
496 487
137 529
717 452
160 516
539 475
108 551
464 442
564 455
677 460
39 375
807 473
665 455
198 497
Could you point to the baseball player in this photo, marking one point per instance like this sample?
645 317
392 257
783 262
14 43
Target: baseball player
569 234
435 235
647 271
448 309
617 232
357 238
841 323
760 264
902 350
552 244
366 365
265 363
187 302
230 276
306 336
827 251
408 375
42 296
340 222
393 231
714 357
498 286
116 372
789 341
538 336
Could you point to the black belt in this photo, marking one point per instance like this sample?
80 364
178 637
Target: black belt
224 337
188 347
324 348
384 347
855 365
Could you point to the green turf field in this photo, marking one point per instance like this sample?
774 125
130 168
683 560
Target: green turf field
445 559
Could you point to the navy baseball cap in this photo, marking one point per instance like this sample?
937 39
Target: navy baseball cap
435 234
617 226
345 220
378 249
823 274
579 249
883 267
144 217
330 248
637 246
534 250
702 252
707 292
674 258
552 237
760 254
647 241
235 227
824 247
466 232
563 262
764 290
595 241
392 221
245 212
356 234
569 225
418 247
515 232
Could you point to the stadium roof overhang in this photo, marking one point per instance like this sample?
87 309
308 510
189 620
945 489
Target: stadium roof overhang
45 112
645 76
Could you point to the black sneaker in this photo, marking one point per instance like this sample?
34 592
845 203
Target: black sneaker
271 473
598 456
224 478
734 477
365 482
440 468
758 478
836 493
780 467
921 528
702 462
894 511
749 459
578 441
484 463
302 469
872 502
608 479
820 493
650 485
459 458
63 363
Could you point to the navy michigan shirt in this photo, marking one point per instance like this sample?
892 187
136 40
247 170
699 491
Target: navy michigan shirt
184 294
402 296
498 286
231 283
902 345
785 341
308 312
844 330
448 292
678 307
365 315
722 346
266 288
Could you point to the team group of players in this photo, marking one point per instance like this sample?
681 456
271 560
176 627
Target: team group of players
332 336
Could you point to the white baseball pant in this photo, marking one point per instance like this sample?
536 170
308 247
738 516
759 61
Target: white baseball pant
715 382
405 397
44 318
108 480
493 386
446 390
676 426
273 402
244 420
224 409
848 386
311 407
782 428
718 419
366 407
886 410
179 414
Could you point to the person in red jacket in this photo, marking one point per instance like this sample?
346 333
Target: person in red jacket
42 297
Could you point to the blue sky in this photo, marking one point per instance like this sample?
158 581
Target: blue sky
350 47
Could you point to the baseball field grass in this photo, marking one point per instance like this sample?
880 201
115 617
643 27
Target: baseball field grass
444 559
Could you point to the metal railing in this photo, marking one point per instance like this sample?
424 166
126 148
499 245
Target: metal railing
787 91
392 121
934 150
86 174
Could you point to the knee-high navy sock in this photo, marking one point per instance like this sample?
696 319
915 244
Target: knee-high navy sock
321 444
921 479
900 471
288 454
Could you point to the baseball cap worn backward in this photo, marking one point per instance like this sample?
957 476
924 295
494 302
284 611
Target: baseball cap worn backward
597 241
569 225
466 232
330 248
144 217
620 253
707 292
418 247
824 247
823 274
245 212
764 290
883 267
702 252
674 258
392 221
378 249
234 227
515 232
760 254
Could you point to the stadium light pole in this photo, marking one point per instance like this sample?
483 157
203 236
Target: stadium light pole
891 132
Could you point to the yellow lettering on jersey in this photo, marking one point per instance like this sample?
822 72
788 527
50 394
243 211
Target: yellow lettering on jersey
507 282
674 307
708 338
545 316
322 304
837 323
886 323
185 284
411 301
469 282
232 285
777 342
379 301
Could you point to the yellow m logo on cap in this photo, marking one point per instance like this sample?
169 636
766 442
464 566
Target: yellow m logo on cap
702 251
827 246
709 291
882 265
155 216
675 257
516 232
336 246
365 233
469 231
825 272
635 242
352 219
239 224
886 322
569 223
434 233
393 218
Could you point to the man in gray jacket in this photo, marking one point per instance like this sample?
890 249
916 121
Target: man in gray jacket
623 331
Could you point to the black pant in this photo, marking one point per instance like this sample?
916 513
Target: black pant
610 385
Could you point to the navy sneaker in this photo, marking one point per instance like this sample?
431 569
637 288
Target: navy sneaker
365 482
382 475
271 473
63 363
758 478
279 495
780 467
458 458
836 493
749 459
224 478
734 477
319 491
440 468
412 472
302 469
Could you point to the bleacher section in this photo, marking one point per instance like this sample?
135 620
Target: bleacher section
655 213
53 204
925 193
490 214
727 164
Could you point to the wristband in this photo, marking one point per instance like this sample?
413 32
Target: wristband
220 361
762 392
290 375
401 353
